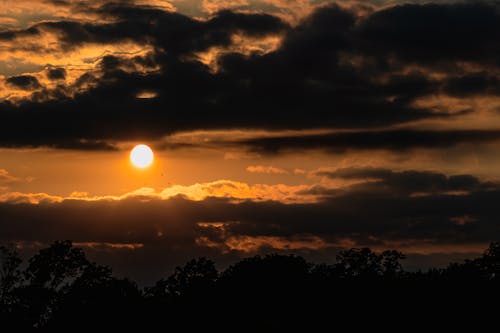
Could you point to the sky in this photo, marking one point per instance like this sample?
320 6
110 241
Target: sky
278 126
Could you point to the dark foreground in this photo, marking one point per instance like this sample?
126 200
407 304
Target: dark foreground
61 290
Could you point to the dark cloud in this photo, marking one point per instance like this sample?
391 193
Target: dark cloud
398 140
377 213
10 35
172 32
81 144
473 84
56 74
146 25
24 82
85 144
434 33
408 182
305 83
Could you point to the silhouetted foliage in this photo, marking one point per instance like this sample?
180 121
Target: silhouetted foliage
359 263
10 274
10 278
196 276
55 265
61 289
391 263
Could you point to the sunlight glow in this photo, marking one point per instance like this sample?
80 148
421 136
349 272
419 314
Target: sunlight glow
141 156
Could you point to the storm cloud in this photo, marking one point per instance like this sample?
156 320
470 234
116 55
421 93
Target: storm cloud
325 73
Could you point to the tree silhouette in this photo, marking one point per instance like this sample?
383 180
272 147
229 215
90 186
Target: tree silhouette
97 299
363 263
10 274
60 289
359 263
195 276
269 272
48 274
391 263
10 280
56 265
489 263
272 283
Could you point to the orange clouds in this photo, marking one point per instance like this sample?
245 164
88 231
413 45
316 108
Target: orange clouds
290 10
213 6
251 245
239 44
29 198
6 178
109 246
226 137
146 94
322 183
196 192
76 62
266 169
22 13
241 191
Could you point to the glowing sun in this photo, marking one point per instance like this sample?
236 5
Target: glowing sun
141 156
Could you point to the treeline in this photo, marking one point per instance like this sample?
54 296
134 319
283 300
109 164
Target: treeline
60 289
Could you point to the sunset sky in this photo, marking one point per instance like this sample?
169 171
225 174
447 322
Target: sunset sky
287 126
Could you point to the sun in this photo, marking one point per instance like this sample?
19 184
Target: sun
141 156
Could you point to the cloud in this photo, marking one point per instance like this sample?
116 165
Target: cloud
6 178
253 245
56 73
266 169
217 189
24 82
211 6
291 11
434 33
341 82
338 142
29 198
299 171
451 214
413 183
109 246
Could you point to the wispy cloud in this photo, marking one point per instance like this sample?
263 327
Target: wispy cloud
266 169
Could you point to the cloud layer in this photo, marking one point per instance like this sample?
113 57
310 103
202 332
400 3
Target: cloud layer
420 212
337 68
